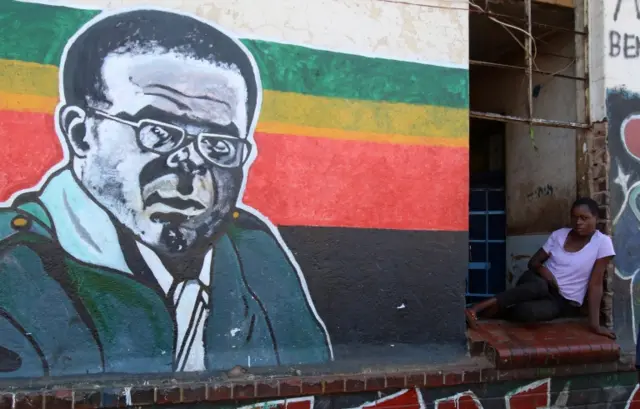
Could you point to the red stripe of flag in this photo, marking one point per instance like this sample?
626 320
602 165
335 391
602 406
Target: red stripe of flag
299 180
29 147
326 182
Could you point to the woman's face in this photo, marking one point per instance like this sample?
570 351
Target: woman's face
583 221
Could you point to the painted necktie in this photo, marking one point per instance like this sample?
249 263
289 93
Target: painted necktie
191 301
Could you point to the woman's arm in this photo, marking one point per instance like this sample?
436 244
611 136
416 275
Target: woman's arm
595 296
536 263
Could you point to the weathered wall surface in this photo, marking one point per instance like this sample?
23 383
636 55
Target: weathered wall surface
255 183
597 38
623 114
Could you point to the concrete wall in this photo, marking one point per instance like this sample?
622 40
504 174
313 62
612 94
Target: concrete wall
261 184
540 168
597 38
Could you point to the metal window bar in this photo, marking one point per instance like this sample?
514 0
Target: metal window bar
579 31
517 67
484 266
532 121
535 23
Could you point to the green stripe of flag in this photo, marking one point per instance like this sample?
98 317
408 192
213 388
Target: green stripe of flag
329 74
38 33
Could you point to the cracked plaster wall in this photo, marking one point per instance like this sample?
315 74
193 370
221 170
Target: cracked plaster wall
421 30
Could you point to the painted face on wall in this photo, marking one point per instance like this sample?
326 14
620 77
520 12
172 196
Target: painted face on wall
164 154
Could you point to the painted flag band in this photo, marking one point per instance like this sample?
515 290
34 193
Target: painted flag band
298 180
344 140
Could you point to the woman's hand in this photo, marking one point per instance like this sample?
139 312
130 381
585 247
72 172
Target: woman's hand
595 297
597 329
537 264
548 275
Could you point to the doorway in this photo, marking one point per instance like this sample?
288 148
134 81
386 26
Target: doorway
528 84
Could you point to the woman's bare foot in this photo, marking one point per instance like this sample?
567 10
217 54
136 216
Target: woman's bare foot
472 318
490 312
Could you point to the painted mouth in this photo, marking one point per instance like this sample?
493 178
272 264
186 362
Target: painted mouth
173 218
173 202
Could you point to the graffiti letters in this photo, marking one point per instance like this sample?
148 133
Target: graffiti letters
534 395
464 400
295 403
616 12
625 45
540 191
408 398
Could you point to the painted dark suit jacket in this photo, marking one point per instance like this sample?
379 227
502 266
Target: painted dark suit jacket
71 301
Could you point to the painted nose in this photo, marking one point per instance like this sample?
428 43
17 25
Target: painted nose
187 159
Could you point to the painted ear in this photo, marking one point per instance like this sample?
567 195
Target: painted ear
630 133
72 123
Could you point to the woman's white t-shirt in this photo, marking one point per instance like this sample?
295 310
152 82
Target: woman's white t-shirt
573 270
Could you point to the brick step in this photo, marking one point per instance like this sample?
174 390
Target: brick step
511 346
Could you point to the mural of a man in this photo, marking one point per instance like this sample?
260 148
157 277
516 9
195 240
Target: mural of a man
136 254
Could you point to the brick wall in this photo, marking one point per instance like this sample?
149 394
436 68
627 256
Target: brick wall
607 385
596 184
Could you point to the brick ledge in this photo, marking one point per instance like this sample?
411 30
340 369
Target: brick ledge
551 344
249 387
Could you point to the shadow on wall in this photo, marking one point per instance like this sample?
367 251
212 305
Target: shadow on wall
623 110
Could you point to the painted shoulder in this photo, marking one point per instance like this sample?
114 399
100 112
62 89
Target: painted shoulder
24 220
249 227
245 220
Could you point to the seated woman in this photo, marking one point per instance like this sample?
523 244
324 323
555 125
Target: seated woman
570 262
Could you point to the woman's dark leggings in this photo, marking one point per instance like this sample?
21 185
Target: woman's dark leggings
532 299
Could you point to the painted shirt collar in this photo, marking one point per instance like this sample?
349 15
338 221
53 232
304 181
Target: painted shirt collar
86 232
82 228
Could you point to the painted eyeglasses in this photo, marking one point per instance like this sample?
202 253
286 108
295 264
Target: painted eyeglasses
162 138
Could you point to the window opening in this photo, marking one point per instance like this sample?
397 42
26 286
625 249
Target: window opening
520 51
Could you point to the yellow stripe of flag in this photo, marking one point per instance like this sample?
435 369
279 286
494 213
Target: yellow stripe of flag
30 87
